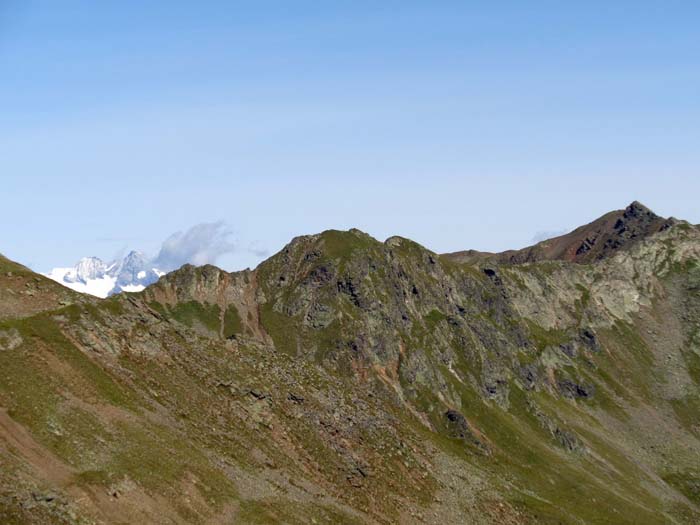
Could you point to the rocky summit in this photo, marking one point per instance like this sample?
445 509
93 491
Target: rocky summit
348 380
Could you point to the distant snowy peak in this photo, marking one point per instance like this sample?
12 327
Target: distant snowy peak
93 276
87 269
101 285
135 273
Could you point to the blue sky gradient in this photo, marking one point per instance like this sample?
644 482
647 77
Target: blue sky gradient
458 124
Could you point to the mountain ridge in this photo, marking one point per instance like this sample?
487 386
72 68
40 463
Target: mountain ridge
348 380
593 241
93 276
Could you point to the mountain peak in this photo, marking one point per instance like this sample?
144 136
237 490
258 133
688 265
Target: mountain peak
134 254
88 268
637 207
637 210
92 276
589 243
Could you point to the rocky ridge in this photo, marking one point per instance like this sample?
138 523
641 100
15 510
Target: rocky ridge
599 239
351 380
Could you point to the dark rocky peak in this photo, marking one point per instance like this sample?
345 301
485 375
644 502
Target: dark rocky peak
634 223
637 209
589 243
641 219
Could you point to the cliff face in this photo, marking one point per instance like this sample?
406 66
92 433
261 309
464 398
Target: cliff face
349 380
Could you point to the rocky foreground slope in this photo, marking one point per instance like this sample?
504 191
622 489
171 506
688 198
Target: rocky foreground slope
346 380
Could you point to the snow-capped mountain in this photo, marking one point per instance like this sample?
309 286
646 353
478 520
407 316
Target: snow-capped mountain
95 277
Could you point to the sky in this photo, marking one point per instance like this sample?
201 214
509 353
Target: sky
458 124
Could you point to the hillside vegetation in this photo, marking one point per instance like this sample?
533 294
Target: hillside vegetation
348 380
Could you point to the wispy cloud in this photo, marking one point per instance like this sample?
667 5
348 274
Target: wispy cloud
202 244
547 234
257 249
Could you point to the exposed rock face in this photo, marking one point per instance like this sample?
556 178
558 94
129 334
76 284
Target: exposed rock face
353 381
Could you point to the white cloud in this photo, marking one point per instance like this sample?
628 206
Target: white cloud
202 244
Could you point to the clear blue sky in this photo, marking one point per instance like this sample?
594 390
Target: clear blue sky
458 124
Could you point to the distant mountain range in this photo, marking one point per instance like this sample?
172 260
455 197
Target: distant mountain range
93 276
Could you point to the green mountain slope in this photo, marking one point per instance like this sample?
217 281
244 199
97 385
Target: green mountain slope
346 380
